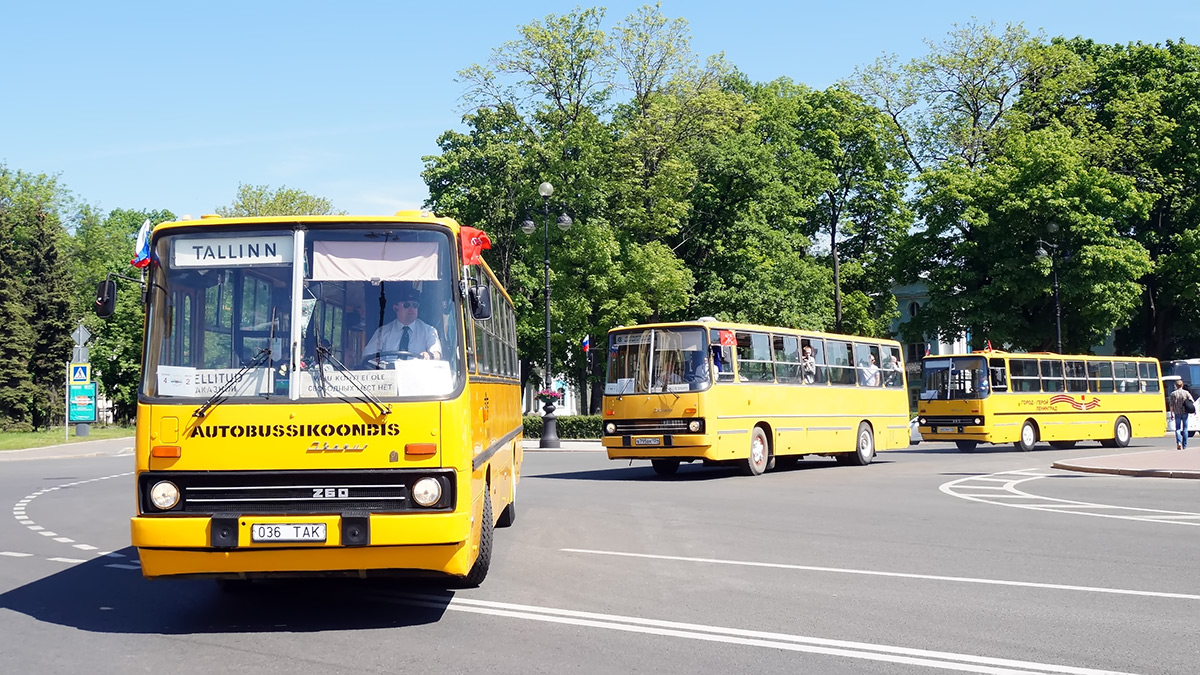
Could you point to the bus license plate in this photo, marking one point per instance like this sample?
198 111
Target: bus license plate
272 532
946 430
647 441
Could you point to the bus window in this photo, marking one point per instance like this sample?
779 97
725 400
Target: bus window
1100 377
1149 373
1052 375
999 379
963 377
817 347
754 357
1126 375
1076 374
893 369
841 370
1025 377
787 358
867 358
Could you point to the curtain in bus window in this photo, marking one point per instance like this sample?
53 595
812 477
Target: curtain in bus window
1100 377
1025 376
384 261
1052 375
1076 374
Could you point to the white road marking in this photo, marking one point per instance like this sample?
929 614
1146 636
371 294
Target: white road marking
14 554
782 641
22 518
899 575
966 488
72 561
123 567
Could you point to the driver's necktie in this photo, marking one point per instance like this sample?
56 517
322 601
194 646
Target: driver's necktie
404 340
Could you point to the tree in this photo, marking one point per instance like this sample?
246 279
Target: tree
261 200
16 349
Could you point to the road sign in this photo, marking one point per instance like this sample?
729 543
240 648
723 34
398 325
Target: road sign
81 373
81 335
81 403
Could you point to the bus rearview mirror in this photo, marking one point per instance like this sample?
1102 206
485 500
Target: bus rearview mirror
106 298
481 302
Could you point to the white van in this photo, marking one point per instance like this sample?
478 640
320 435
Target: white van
1193 420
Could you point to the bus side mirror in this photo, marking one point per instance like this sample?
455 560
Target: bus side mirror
106 298
481 302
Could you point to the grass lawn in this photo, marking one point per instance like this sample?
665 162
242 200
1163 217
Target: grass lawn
15 440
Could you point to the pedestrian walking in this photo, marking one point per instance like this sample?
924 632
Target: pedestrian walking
1182 406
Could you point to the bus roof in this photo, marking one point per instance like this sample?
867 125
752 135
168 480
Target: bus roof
708 322
1000 352
412 216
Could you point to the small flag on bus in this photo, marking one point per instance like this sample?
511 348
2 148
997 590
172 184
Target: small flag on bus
141 249
926 349
586 343
727 338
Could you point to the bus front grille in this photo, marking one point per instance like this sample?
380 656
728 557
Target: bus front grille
282 492
651 426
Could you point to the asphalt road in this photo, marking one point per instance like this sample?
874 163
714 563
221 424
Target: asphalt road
928 561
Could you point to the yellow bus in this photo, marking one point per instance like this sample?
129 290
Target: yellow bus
993 396
324 395
750 396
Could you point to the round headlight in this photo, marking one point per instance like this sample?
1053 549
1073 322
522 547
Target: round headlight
921 422
610 428
164 495
427 491
694 426
978 421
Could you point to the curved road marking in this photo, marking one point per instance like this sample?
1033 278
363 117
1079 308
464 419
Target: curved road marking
982 489
24 519
783 641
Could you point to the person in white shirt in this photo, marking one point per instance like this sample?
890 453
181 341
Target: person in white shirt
407 336
870 373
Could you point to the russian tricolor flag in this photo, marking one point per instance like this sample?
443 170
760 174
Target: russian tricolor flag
141 249
587 343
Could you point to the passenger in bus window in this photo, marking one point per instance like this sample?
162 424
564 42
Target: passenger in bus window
869 372
407 337
892 370
808 365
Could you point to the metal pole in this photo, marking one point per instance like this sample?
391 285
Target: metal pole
1057 304
549 421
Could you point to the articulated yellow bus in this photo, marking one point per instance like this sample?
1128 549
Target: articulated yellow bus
999 397
328 395
750 396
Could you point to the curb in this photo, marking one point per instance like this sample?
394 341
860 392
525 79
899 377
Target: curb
1138 473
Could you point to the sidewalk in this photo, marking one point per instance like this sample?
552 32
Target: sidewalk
1148 463
108 446
565 445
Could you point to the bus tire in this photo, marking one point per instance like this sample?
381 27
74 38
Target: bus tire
665 467
1122 432
1062 445
966 446
864 446
483 561
1029 437
509 515
760 453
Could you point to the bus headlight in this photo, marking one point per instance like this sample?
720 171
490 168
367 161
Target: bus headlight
978 421
694 426
610 428
427 491
164 495
921 422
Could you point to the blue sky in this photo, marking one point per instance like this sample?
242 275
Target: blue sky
153 105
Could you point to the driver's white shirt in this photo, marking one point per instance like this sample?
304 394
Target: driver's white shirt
422 338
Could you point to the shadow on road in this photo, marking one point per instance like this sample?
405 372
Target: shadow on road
93 597
694 471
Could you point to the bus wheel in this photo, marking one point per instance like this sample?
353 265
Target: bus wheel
1062 445
864 449
484 560
966 446
788 461
1029 437
665 467
1122 433
509 515
760 453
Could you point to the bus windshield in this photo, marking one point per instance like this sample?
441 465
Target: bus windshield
955 378
364 312
657 360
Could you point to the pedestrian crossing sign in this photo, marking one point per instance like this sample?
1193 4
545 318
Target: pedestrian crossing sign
81 373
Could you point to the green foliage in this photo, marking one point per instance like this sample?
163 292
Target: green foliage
569 426
261 200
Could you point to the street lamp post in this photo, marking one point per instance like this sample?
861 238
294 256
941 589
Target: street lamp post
549 421
1053 255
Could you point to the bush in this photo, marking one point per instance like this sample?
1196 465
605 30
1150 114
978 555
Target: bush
569 426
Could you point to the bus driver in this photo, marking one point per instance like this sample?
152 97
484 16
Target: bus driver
407 336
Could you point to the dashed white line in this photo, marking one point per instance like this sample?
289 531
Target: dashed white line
19 514
14 554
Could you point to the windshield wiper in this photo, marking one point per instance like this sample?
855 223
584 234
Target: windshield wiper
218 396
323 353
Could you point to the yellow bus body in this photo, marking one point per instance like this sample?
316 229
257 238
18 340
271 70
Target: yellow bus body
796 419
1106 408
473 438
